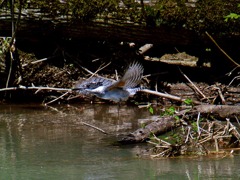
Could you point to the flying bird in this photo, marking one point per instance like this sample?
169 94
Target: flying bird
113 90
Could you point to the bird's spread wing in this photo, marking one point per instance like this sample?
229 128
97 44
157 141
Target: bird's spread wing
131 78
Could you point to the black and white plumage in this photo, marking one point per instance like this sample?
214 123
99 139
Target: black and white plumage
113 90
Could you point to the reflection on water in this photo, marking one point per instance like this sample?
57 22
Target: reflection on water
51 143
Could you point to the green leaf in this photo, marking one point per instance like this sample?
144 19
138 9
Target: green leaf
188 101
171 110
150 109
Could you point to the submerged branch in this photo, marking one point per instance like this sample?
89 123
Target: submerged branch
94 127
57 98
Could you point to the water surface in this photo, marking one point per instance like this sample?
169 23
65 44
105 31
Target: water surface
39 142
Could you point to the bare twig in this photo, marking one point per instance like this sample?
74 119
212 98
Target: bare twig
160 140
188 134
37 61
100 68
237 77
197 89
198 129
32 88
234 62
56 98
237 120
176 98
220 94
233 130
116 73
230 73
97 59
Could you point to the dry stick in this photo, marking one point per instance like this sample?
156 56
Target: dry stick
237 77
160 140
230 73
37 88
100 68
188 134
94 127
37 61
198 128
234 131
56 98
198 90
222 49
94 73
237 120
169 96
221 95
116 73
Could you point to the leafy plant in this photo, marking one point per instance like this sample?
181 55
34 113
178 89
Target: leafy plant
169 111
150 109
188 101
231 16
194 126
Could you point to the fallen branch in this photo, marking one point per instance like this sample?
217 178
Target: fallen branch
195 87
221 111
36 88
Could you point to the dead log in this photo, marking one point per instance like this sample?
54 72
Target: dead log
164 124
219 111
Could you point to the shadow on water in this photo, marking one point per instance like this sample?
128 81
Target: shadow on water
39 142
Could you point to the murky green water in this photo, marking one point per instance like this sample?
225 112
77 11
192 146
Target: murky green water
51 143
